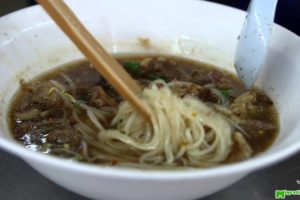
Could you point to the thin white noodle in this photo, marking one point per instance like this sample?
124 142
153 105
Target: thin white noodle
58 85
69 81
176 135
84 127
223 100
94 119
189 116
84 148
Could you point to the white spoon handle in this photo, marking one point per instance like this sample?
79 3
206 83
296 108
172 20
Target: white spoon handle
253 40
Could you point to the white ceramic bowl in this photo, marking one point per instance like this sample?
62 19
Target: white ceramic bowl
30 43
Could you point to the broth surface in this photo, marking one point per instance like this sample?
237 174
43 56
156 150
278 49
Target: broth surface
41 120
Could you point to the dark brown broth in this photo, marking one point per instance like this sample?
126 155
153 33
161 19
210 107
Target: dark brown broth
56 129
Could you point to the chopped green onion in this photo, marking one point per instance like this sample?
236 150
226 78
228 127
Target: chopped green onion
78 157
77 108
67 146
45 146
132 67
226 93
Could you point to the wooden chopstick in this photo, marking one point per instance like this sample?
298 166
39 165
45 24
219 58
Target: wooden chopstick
109 68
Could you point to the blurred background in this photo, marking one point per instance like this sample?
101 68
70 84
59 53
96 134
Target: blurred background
288 11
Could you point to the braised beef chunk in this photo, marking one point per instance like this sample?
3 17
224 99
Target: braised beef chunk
241 149
243 106
200 92
161 68
252 105
43 117
200 78
259 127
56 131
99 98
220 79
26 86
156 65
64 136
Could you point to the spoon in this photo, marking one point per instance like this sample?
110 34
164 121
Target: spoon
105 64
253 40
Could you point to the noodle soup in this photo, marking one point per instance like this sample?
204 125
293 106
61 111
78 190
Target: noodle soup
201 116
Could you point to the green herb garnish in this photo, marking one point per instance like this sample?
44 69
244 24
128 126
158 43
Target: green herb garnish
78 157
132 67
45 147
67 146
226 93
77 108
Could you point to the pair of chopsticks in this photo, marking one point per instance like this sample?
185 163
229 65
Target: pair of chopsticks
109 68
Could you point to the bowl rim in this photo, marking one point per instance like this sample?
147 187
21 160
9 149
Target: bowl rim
247 166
